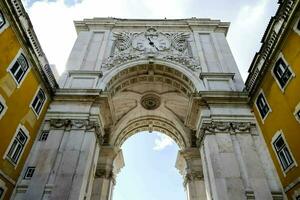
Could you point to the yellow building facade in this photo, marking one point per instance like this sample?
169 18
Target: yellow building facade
274 89
26 86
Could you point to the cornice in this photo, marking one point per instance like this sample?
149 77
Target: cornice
274 34
22 24
211 25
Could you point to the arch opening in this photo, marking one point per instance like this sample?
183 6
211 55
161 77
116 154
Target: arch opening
156 154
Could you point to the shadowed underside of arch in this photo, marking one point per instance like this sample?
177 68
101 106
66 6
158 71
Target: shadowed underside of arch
150 97
150 124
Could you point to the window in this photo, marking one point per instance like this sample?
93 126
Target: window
1 192
29 172
17 146
262 105
282 72
44 136
2 20
19 68
298 27
297 112
3 107
283 152
38 101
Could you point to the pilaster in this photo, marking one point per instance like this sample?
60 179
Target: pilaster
189 165
233 166
109 164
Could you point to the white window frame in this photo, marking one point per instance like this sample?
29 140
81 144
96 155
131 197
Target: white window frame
3 102
6 22
12 64
297 109
26 177
295 26
288 66
276 135
35 95
44 132
270 110
2 185
23 128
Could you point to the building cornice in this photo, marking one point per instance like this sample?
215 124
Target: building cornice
22 24
205 23
271 40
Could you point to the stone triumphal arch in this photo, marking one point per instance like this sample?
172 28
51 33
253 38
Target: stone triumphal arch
177 77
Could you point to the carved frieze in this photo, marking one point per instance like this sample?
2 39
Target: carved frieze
172 47
81 124
193 176
223 127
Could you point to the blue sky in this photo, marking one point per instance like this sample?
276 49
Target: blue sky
149 173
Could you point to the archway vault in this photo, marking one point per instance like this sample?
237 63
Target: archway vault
151 123
150 97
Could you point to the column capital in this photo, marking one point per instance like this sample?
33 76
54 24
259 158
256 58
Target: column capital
223 126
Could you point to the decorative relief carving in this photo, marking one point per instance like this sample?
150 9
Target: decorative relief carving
231 127
172 47
193 176
223 127
105 172
150 101
82 124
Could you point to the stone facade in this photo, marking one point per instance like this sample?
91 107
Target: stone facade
174 76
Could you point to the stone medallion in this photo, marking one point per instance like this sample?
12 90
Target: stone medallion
150 101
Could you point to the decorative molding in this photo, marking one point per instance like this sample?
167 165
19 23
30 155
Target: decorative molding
274 34
104 173
170 46
81 124
193 176
214 127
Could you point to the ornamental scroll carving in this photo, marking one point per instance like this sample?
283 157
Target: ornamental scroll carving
105 174
193 176
172 47
223 127
83 124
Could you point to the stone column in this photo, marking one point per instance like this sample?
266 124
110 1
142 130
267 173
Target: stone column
109 164
190 167
233 165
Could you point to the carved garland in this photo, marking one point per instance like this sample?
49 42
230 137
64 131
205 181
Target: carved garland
223 127
82 124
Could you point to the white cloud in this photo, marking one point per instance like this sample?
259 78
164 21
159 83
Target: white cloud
246 32
162 141
53 22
